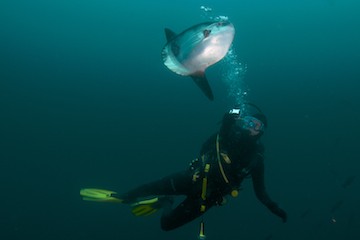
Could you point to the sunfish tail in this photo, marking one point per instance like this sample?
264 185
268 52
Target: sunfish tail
203 84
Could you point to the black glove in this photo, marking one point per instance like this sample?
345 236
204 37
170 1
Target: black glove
278 211
282 214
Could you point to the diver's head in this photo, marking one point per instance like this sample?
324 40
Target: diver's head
239 125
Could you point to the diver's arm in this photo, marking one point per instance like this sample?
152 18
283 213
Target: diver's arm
260 191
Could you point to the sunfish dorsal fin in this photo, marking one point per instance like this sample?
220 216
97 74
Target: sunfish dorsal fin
169 34
203 84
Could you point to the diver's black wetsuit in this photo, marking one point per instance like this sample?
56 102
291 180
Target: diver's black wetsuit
246 156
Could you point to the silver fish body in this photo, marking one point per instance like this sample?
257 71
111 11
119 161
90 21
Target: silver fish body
191 52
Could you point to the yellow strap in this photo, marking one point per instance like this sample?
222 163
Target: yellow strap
204 187
204 182
207 168
225 157
219 160
203 192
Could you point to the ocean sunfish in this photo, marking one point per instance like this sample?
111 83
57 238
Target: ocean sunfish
191 52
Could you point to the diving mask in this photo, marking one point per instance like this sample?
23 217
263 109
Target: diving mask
252 124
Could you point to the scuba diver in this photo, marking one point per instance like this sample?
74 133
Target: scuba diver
228 157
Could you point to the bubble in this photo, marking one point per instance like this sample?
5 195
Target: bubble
221 18
233 72
206 9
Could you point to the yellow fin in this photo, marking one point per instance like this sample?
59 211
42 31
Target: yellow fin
146 207
99 195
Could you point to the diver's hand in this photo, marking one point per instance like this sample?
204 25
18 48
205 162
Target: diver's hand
282 214
278 212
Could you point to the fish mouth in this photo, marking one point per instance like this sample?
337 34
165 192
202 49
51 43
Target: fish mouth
221 23
220 27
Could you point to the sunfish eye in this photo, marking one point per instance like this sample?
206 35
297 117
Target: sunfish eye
206 33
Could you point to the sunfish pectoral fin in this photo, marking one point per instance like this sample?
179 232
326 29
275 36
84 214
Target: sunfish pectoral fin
169 34
203 84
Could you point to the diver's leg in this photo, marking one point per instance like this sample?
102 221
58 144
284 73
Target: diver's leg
174 184
187 211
